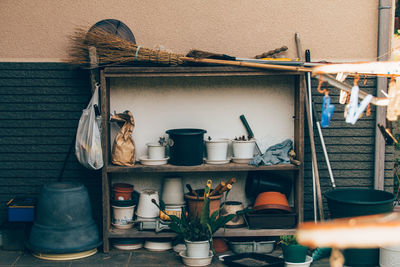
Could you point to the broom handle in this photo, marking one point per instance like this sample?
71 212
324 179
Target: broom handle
245 64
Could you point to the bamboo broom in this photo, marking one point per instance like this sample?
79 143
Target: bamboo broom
112 49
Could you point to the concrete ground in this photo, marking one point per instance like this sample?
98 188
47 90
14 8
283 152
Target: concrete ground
117 258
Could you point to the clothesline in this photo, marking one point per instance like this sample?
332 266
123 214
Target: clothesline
378 101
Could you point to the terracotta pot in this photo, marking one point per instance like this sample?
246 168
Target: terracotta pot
122 191
272 201
220 245
195 204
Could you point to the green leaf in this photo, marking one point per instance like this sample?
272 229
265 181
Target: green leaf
205 211
221 221
184 219
162 205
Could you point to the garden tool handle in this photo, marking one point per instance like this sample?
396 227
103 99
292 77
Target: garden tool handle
247 126
249 131
217 189
191 191
231 181
225 188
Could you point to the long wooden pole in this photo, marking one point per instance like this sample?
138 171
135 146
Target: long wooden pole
245 64
313 152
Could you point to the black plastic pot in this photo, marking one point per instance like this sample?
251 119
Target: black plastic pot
258 182
351 202
186 146
64 222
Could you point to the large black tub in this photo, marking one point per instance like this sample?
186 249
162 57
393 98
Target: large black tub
352 202
186 146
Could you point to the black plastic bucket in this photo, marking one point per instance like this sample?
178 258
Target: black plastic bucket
352 202
186 146
258 182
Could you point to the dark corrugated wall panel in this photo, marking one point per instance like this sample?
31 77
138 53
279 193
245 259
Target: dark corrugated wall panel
40 106
350 149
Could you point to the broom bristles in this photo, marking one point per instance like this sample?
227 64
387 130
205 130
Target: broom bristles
112 49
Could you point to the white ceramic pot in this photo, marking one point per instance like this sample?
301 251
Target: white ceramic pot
122 216
158 245
243 149
389 256
188 261
231 207
155 151
307 263
217 149
197 249
172 193
146 208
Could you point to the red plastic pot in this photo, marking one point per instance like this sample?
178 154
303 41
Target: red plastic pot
122 191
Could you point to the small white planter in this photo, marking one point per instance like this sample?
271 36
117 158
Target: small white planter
122 216
197 249
307 263
172 193
155 151
243 149
217 149
146 208
389 256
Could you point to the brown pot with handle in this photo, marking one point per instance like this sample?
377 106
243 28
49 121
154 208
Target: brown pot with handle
195 204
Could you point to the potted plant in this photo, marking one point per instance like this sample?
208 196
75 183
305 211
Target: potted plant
197 232
156 151
243 148
292 251
217 149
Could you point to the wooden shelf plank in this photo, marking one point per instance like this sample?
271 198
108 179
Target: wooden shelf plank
228 232
237 232
139 168
130 233
118 72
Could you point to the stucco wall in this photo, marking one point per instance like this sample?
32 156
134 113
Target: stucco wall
333 30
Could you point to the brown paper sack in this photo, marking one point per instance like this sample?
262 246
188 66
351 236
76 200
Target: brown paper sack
123 152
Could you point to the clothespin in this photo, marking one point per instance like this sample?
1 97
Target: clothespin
320 82
387 135
327 110
393 108
365 80
368 112
343 94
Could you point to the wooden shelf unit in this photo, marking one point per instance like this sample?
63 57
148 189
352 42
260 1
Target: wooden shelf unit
108 169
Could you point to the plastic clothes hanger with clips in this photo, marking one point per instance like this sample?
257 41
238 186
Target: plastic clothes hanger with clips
327 107
355 110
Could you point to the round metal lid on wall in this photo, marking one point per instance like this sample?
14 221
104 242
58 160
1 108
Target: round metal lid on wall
115 27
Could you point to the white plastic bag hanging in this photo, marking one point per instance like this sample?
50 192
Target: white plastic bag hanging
88 140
